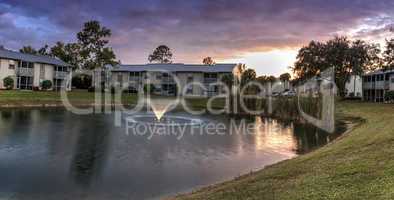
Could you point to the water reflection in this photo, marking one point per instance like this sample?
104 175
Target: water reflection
90 153
48 154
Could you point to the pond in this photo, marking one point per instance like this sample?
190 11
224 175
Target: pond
54 154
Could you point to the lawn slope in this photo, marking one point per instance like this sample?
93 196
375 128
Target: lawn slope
359 165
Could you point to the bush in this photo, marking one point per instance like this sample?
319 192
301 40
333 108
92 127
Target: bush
8 83
46 84
149 88
389 96
82 81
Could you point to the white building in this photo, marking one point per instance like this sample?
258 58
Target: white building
376 84
354 87
29 71
205 78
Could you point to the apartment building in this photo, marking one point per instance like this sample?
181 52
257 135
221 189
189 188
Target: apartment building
376 84
205 78
29 71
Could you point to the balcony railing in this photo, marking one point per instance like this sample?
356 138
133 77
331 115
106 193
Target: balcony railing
22 71
60 75
134 79
210 80
167 80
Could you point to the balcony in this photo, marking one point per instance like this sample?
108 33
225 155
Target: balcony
210 80
134 79
167 80
22 71
60 75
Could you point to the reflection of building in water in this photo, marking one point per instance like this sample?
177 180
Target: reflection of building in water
273 136
285 138
90 155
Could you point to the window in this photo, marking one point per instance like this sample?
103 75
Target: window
11 64
392 79
210 75
134 74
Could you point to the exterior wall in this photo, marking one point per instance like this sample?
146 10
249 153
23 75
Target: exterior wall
196 78
49 72
391 84
37 78
355 86
122 78
5 71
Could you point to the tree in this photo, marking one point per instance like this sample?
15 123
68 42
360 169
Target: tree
69 53
346 57
285 77
228 80
262 79
93 42
388 55
208 61
44 50
271 79
28 49
247 76
162 54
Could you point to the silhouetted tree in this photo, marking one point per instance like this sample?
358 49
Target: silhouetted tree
388 55
247 76
285 77
345 56
208 61
162 54
69 53
93 42
28 49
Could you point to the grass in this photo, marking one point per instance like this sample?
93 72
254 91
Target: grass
359 165
17 98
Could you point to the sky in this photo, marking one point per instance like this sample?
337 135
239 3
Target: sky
263 34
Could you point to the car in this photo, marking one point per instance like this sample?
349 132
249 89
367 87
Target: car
289 94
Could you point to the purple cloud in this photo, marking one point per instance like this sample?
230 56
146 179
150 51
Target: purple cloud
193 29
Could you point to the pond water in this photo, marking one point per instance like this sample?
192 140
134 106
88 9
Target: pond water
54 154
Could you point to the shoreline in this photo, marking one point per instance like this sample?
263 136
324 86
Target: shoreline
352 123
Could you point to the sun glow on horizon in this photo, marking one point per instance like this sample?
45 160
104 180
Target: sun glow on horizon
273 62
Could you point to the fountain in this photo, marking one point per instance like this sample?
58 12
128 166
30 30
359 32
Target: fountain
159 108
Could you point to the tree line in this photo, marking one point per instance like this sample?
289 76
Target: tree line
347 57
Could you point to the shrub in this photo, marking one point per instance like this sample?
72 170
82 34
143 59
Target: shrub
46 84
149 88
82 81
389 96
35 88
8 83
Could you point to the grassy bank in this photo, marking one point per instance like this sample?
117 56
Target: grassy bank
359 165
20 98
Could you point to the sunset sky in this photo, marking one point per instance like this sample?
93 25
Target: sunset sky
263 34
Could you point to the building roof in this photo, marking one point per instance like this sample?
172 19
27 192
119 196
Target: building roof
4 53
175 67
379 72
